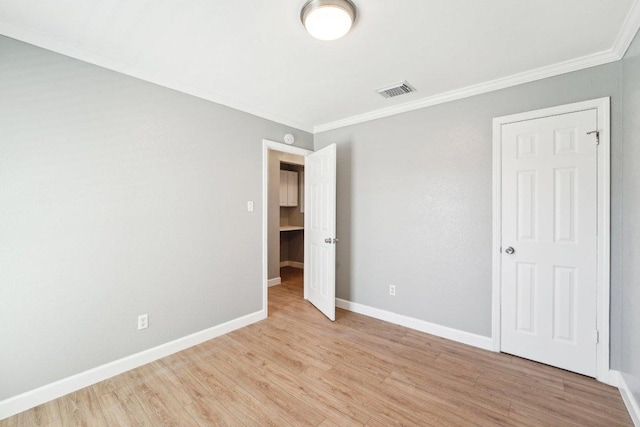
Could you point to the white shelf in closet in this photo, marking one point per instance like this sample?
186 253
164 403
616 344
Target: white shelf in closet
291 227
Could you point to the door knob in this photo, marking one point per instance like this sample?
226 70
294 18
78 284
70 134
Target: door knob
327 240
510 250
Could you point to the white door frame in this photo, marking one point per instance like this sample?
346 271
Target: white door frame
602 106
266 146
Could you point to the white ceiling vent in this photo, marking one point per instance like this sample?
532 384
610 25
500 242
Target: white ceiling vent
396 90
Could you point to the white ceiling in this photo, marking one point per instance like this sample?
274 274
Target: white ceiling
255 55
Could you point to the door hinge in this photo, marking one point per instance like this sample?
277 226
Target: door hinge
597 132
596 336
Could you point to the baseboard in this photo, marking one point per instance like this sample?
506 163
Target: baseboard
40 395
633 406
274 281
611 378
419 325
295 264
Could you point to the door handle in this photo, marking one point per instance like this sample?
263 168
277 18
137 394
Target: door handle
330 240
510 250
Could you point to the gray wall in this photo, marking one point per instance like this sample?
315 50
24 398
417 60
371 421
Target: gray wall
414 202
120 197
117 198
630 355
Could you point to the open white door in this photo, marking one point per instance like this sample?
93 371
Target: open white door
320 230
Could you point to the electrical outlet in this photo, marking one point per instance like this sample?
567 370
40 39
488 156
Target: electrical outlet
143 321
249 206
392 290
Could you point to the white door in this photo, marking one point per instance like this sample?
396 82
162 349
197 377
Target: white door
549 240
320 230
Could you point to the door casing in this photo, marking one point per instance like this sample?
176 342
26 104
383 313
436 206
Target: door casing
602 106
266 146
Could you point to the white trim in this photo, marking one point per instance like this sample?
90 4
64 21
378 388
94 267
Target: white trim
53 45
477 89
32 398
602 105
623 40
295 264
266 146
616 52
604 238
417 324
633 406
628 31
612 378
274 281
497 236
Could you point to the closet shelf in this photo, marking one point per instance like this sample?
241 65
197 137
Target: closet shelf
291 227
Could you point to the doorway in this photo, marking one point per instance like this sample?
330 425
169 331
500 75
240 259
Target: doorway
283 215
551 236
286 248
319 207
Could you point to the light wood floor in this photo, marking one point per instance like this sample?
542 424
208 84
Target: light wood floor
297 368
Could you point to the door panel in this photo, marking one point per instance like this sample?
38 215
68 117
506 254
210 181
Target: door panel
549 208
320 230
527 205
564 304
526 283
564 208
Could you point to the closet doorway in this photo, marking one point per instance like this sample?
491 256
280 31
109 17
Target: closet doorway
290 194
289 217
285 215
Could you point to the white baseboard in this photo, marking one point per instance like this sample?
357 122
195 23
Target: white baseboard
295 264
633 406
479 341
612 378
274 281
40 395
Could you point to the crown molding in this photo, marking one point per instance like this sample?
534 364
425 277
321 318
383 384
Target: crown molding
628 31
477 89
45 42
620 46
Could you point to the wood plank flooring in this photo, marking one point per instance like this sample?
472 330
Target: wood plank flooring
297 368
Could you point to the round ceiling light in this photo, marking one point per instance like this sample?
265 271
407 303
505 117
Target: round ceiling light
328 19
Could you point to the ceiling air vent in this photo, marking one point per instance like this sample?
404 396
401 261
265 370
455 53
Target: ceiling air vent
396 90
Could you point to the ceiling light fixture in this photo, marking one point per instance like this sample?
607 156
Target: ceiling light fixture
328 19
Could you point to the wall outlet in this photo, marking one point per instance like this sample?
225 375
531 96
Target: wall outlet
249 206
392 290
143 321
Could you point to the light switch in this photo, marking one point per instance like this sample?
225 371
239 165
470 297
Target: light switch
249 206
